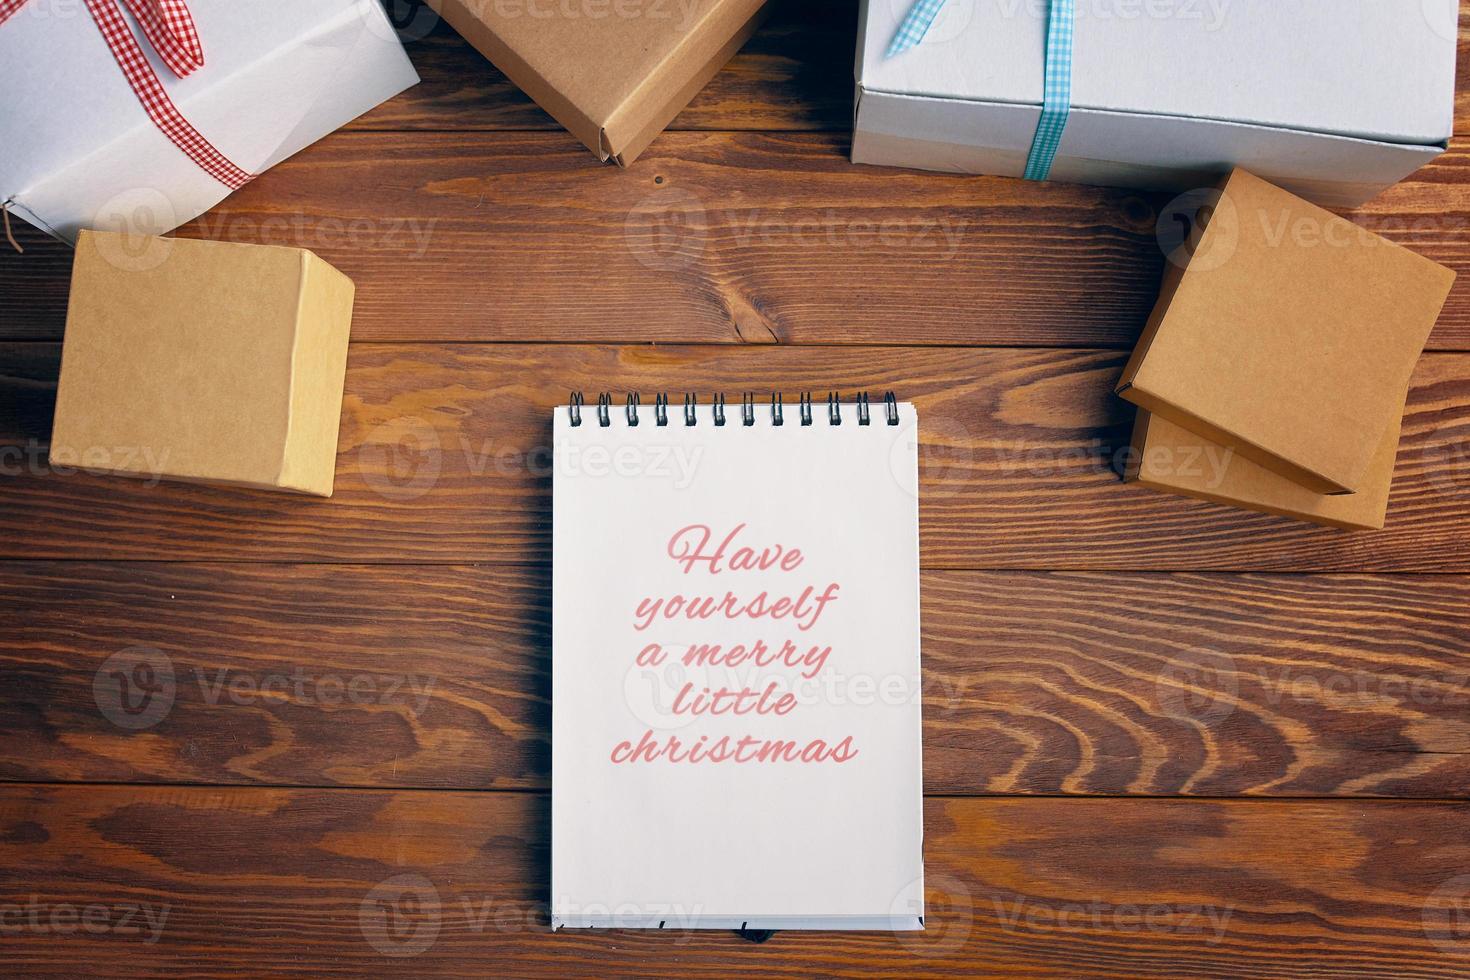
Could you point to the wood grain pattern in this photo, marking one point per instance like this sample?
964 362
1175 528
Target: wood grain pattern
1034 683
720 238
466 215
301 882
444 458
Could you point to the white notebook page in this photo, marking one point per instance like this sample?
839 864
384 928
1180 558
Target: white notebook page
736 692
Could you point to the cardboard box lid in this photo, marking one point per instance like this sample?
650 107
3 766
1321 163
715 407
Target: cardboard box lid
77 150
203 361
613 73
1363 68
1289 335
1169 457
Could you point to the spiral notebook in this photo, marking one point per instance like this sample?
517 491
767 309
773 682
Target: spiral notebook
735 665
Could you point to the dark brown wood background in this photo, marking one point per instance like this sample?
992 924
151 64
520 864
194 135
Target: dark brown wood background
1162 738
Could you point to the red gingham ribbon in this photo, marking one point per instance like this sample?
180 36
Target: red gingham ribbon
169 28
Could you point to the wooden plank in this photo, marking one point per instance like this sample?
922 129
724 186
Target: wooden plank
795 74
1462 72
720 238
438 677
359 883
444 457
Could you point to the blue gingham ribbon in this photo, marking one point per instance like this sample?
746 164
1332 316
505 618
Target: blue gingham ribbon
914 26
1056 102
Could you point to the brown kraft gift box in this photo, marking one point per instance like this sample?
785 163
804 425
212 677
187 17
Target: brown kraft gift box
1170 458
1288 335
204 362
613 72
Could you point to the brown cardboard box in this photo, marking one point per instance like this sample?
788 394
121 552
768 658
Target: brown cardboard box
614 72
1289 335
1169 457
203 361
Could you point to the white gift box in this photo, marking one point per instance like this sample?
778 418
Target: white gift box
1332 99
77 149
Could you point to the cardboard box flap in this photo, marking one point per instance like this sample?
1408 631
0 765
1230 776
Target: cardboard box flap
616 77
1360 68
1169 457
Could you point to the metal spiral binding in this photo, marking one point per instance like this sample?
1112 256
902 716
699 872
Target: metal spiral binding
634 404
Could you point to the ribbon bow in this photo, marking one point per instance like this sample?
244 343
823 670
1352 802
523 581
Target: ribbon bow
169 28
1056 102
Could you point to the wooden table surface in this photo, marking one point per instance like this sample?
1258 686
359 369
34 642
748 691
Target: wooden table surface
1162 738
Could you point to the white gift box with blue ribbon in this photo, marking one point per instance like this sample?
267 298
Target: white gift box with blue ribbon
1335 100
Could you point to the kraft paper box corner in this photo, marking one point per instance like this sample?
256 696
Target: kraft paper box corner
77 149
615 75
206 362
1287 334
1333 99
1170 458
